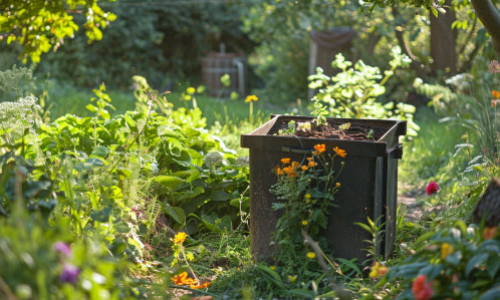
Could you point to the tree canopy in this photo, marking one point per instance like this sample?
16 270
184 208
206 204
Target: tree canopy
39 25
485 10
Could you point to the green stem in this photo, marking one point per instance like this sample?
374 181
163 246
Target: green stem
251 112
134 141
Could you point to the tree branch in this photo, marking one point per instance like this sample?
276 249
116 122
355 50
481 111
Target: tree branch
489 16
468 38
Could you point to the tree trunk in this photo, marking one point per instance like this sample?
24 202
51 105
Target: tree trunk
489 16
443 41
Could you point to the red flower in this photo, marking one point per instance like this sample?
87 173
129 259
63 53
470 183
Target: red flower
422 289
432 188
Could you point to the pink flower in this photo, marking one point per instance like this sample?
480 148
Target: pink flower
63 248
432 188
421 289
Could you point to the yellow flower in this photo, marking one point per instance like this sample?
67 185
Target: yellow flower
320 148
251 98
190 90
285 160
295 164
378 270
308 196
311 255
312 164
180 238
288 169
304 222
310 158
340 152
292 278
305 168
495 94
338 184
446 249
272 268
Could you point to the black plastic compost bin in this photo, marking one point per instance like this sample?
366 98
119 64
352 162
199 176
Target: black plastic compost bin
369 184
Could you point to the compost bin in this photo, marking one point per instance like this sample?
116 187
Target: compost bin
369 184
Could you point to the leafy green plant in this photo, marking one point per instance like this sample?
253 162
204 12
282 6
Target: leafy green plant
305 195
353 92
455 261
41 261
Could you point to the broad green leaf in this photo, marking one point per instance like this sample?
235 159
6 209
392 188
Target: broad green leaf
350 264
176 213
474 262
168 181
273 274
220 196
100 151
491 294
101 215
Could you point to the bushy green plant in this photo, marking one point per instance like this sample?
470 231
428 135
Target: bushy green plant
305 194
48 262
454 262
353 92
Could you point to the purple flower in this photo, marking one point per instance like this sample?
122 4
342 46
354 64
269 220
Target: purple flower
69 273
63 248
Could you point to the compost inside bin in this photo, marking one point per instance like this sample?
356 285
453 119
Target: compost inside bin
355 131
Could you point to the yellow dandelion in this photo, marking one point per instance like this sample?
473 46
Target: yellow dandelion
251 98
311 255
180 238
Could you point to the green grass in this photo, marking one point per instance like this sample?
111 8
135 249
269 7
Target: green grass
429 156
66 99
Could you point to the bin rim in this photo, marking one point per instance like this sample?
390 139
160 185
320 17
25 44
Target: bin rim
261 139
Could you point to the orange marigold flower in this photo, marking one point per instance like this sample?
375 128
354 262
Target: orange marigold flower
285 160
292 174
489 233
340 152
310 158
312 164
279 171
320 148
182 279
338 184
305 168
295 164
201 286
180 238
495 94
288 169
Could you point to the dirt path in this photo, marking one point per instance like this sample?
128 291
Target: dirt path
414 211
